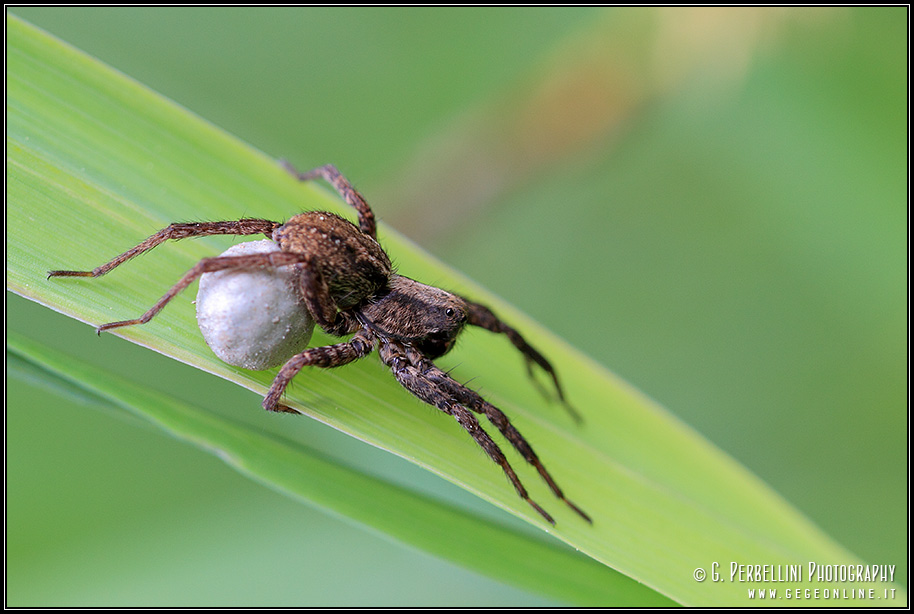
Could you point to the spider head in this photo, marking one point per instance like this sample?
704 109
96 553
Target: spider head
425 317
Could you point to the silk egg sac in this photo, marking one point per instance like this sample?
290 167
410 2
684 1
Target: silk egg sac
254 318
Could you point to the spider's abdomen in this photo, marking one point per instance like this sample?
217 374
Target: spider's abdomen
353 264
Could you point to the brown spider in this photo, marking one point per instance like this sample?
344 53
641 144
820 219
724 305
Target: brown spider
349 286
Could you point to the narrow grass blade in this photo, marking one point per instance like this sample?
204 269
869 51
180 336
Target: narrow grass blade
97 162
309 476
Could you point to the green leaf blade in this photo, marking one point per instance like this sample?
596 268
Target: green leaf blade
307 475
97 163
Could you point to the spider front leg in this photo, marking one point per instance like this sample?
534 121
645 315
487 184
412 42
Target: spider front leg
475 402
424 380
326 357
482 316
331 175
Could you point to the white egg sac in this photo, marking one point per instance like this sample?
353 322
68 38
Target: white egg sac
253 318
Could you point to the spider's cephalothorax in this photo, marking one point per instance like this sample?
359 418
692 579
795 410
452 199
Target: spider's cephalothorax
348 284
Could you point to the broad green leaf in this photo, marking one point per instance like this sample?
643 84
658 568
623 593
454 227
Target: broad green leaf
97 162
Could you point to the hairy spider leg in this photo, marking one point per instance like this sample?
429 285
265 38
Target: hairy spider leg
482 316
179 231
472 400
431 385
325 357
332 175
479 315
248 226
411 368
209 265
316 294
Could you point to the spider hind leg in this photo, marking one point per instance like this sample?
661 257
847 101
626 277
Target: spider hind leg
177 231
208 265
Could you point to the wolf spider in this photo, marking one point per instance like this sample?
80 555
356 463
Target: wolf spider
349 286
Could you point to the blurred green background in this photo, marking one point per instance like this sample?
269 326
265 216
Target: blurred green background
711 203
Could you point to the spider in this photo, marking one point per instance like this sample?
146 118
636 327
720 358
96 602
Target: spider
349 285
